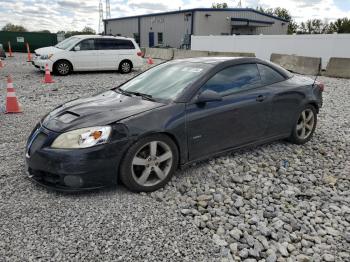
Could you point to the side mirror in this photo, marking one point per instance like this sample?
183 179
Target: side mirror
77 48
208 96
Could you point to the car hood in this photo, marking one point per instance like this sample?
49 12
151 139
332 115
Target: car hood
102 109
47 50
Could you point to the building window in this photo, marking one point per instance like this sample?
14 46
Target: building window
137 37
160 38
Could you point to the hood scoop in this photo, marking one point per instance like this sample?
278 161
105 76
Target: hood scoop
67 117
102 109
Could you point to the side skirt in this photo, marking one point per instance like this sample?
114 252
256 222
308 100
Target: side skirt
232 149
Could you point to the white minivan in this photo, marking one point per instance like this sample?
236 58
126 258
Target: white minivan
90 53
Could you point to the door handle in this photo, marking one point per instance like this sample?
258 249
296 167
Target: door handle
260 98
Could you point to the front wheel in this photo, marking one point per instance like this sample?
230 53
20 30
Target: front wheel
149 164
305 126
63 68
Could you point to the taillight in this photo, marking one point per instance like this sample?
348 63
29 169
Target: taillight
139 53
320 86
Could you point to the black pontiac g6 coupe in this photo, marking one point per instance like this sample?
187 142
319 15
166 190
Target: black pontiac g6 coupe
173 114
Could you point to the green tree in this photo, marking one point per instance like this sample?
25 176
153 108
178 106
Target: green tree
309 26
218 5
89 31
281 13
313 26
13 28
340 26
292 27
302 28
44 31
86 31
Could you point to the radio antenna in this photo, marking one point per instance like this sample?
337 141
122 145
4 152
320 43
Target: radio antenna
318 74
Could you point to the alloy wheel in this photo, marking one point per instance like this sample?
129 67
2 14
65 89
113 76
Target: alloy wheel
305 125
152 163
63 68
125 67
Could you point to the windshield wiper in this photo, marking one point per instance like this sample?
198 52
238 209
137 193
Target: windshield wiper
121 91
144 96
130 93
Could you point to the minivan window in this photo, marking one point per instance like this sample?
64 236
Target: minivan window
88 44
67 43
106 44
125 44
234 79
114 44
268 75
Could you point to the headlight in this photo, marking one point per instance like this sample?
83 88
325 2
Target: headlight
82 138
45 57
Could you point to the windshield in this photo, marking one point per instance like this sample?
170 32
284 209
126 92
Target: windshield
166 81
67 43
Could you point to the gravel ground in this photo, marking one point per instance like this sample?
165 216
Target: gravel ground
36 224
278 202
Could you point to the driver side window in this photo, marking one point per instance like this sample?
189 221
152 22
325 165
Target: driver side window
88 44
234 79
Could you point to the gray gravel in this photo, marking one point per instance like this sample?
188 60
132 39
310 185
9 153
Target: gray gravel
278 202
114 225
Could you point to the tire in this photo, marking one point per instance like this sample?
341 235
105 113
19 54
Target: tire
63 68
304 129
145 171
125 67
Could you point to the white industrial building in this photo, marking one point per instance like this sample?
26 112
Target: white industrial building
174 29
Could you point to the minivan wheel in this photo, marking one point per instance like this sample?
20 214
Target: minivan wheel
149 163
125 67
63 68
305 126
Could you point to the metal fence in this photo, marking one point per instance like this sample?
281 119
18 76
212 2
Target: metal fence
18 40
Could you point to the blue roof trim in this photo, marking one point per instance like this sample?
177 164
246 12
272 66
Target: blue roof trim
200 9
252 20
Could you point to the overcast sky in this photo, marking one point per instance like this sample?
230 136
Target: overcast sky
75 14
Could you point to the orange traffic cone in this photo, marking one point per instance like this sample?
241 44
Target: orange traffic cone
29 54
12 104
10 49
47 78
1 64
150 61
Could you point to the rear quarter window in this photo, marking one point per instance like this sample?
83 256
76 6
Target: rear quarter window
269 75
115 44
125 44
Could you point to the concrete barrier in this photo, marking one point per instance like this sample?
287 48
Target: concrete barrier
160 53
298 64
180 53
338 67
231 54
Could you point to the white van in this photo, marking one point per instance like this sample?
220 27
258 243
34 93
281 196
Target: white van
90 53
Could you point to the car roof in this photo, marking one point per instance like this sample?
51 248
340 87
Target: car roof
217 60
102 36
228 61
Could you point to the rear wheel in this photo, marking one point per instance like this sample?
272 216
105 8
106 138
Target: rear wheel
125 67
149 164
63 68
305 126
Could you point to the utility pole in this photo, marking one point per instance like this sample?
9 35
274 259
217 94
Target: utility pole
108 9
240 3
100 21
